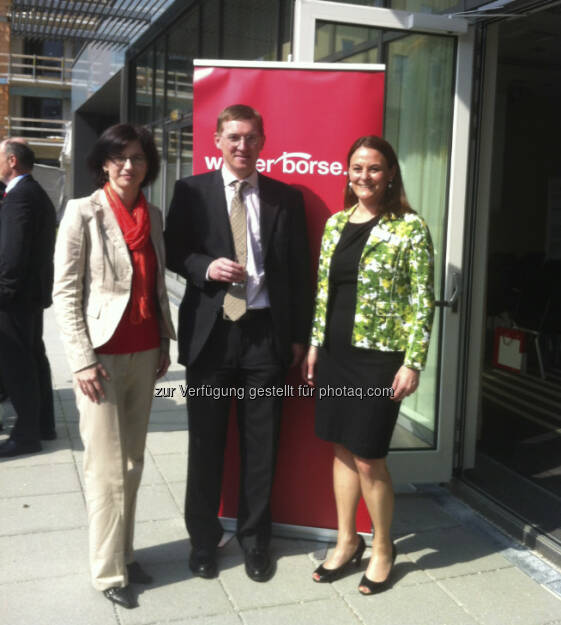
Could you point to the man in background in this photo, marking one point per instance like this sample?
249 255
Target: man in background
27 237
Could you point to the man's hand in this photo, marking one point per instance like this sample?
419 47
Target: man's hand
163 364
405 383
309 366
298 353
89 381
226 270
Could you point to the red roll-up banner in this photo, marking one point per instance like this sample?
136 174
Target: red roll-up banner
312 114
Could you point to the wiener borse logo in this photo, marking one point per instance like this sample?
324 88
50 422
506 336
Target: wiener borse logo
289 163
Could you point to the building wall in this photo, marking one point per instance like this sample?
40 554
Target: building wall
4 90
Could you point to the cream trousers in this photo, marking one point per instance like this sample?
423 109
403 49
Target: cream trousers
114 437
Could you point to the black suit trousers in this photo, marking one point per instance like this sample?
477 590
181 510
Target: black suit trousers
238 358
26 373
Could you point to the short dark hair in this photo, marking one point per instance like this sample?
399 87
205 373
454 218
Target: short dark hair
112 143
395 199
23 153
240 111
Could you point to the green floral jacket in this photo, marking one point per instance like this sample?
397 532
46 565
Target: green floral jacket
395 292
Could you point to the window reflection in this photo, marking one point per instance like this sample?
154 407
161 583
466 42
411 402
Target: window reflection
159 79
183 42
250 29
347 43
143 88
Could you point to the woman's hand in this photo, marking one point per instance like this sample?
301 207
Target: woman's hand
309 366
163 364
89 381
405 383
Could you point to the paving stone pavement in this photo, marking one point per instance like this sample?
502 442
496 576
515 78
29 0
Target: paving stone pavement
453 567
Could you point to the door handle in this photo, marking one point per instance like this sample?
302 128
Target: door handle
454 296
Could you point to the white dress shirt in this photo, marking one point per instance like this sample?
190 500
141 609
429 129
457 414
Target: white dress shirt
257 295
13 182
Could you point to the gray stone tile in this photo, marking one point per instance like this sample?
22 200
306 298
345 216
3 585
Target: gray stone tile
65 393
230 618
176 594
172 466
292 581
504 597
69 410
452 551
156 542
426 604
48 554
173 416
42 513
417 513
332 611
54 452
155 502
39 479
167 441
178 490
69 600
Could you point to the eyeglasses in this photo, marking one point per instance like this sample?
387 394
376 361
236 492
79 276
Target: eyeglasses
135 159
250 140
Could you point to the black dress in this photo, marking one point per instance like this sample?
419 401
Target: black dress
352 403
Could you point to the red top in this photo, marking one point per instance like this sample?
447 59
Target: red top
128 337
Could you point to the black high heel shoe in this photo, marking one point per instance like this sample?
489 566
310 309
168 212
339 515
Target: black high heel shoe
376 587
330 575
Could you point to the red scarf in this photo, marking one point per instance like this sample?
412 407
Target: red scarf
135 226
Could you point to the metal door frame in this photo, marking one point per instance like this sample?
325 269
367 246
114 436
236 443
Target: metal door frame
432 465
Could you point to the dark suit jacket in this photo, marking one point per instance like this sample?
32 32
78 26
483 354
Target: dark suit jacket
27 240
198 231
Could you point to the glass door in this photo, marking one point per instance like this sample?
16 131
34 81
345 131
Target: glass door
428 77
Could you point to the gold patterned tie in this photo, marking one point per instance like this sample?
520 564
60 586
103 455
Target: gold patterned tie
235 300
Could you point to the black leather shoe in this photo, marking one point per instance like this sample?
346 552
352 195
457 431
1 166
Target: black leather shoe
323 575
120 596
49 436
258 564
137 575
373 588
203 563
11 448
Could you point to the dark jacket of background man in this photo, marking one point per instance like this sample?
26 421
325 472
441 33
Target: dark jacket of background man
27 237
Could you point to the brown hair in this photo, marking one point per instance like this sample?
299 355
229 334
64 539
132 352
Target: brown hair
240 111
395 199
112 143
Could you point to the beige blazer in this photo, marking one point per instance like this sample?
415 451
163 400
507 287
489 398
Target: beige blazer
93 277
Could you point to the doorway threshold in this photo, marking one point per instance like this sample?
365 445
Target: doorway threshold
528 513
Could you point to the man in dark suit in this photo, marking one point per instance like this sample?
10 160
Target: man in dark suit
3 395
239 239
27 237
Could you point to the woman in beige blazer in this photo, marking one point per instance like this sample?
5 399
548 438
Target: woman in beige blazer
113 312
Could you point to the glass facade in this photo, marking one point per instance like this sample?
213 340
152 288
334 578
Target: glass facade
161 77
347 43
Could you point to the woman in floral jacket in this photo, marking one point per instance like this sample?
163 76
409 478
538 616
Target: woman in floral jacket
374 311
